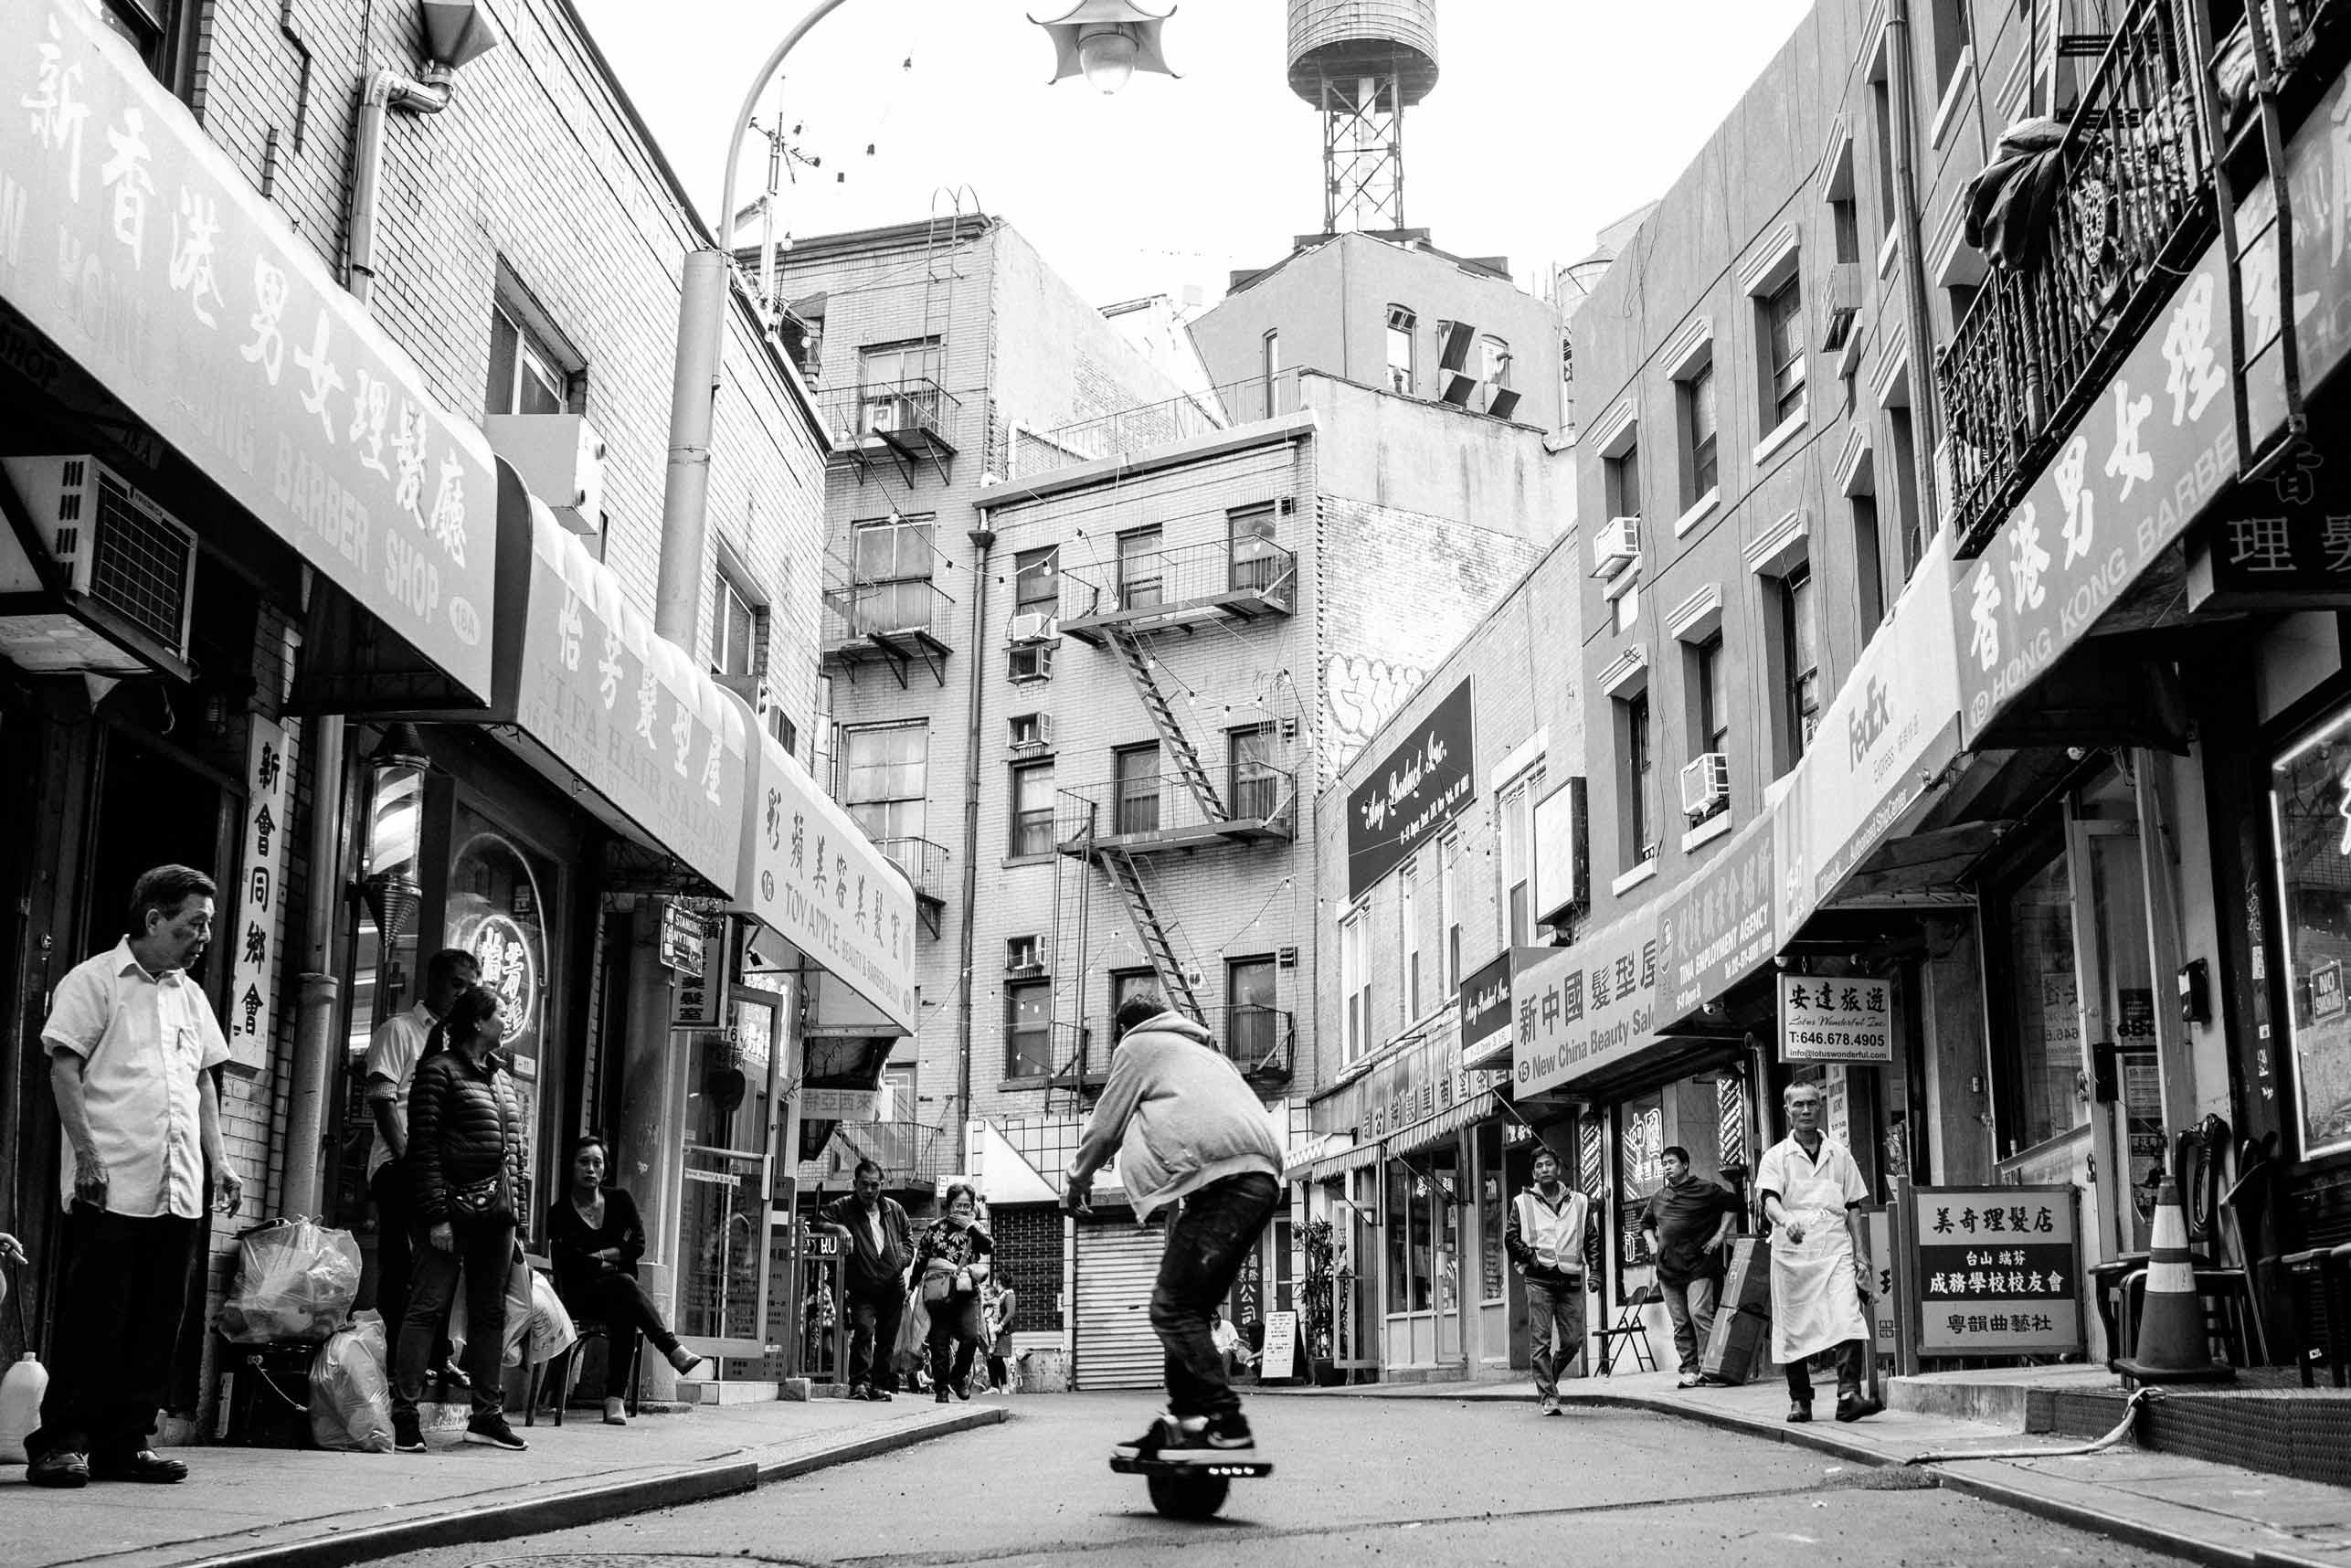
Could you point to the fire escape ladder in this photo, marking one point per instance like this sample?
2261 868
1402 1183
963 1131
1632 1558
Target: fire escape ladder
2260 264
1179 746
1128 876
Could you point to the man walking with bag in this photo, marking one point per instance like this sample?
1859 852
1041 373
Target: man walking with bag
879 1245
132 1043
1549 1237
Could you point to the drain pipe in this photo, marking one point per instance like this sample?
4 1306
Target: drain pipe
983 539
1921 323
385 91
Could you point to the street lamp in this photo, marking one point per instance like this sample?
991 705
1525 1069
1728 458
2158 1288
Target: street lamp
1104 40
1107 41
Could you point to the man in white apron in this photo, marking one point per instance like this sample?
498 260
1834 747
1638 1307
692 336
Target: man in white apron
1813 1195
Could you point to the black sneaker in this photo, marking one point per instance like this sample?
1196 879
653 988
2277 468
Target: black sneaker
493 1431
408 1433
1162 1439
878 1394
1216 1437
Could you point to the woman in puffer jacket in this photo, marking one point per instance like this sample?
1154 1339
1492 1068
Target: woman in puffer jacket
465 1170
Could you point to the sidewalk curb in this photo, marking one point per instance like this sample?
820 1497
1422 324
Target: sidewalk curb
563 1505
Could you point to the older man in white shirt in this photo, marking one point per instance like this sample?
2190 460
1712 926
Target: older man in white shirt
132 1043
1812 1192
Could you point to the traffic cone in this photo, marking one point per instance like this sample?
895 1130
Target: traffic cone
2173 1346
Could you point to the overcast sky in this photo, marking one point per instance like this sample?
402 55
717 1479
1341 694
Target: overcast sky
1550 118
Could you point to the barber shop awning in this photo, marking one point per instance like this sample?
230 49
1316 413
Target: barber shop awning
1322 1168
809 873
200 311
1445 1124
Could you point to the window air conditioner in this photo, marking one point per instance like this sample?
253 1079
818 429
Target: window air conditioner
1035 626
1706 786
1617 545
560 459
128 568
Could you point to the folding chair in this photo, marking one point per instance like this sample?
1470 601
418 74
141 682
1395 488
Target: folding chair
1630 1327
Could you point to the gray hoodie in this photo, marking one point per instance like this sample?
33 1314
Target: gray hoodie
1179 1113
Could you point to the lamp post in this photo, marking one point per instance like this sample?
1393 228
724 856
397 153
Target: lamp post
1106 40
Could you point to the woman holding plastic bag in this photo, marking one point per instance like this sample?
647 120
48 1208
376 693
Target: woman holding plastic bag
465 1166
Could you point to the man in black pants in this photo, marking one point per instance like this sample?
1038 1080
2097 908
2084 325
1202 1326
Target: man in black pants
879 1245
393 1053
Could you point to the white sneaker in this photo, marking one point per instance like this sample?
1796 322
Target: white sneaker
1690 1380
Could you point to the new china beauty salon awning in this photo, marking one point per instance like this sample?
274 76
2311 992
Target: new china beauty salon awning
624 722
809 873
1587 1010
132 243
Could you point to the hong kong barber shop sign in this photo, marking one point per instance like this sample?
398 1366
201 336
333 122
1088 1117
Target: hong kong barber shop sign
1587 1008
132 242
1414 791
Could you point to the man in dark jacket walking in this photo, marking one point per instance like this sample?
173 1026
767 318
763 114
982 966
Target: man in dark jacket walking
879 1245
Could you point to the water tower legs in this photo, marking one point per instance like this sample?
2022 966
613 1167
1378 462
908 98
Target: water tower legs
1362 153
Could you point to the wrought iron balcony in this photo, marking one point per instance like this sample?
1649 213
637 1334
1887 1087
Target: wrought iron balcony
910 419
924 864
1259 1040
1244 578
1127 430
913 1154
2132 198
896 621
1164 811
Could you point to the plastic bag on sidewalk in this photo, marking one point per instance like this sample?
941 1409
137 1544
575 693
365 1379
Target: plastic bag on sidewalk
518 1314
295 1281
350 1398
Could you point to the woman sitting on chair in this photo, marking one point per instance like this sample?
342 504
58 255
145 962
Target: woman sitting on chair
596 1238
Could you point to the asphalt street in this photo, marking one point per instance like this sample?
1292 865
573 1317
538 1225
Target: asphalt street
1422 1481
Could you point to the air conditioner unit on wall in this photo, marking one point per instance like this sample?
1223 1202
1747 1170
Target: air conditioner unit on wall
1706 786
1035 626
560 459
1617 545
128 568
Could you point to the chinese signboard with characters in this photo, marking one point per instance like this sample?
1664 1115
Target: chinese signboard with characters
633 717
2282 542
811 876
1833 1019
1717 931
1425 782
248 916
2158 444
131 241
2000 1271
1588 1007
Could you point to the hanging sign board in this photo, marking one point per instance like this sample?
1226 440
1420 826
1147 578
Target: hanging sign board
840 1105
1848 1019
2000 1271
684 936
250 920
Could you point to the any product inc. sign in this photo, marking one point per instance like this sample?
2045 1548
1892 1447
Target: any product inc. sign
1412 792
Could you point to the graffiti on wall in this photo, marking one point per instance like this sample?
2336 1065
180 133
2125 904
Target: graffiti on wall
1363 693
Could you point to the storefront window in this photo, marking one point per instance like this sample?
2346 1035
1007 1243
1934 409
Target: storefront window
497 912
2041 1084
1412 1239
1640 1171
2310 804
1493 1211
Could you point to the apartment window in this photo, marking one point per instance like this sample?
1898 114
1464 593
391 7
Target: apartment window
527 371
1881 103
1256 563
1800 654
1355 980
1401 368
1410 914
734 629
1033 808
897 1102
1869 568
1252 793
159 29
1910 525
884 774
1624 602
1844 226
1621 478
898 384
1495 361
1514 811
1449 912
1028 731
1947 22
1780 318
1036 582
1126 985
1253 1030
1021 953
1963 300
1637 781
1135 805
1710 675
1027 1029
892 561
1694 393
1142 580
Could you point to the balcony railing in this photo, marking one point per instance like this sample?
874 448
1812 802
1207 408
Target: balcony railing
914 415
1161 810
858 609
1259 1039
2132 174
1243 577
923 863
1128 430
913 1152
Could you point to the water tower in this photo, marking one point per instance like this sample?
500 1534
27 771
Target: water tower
1360 63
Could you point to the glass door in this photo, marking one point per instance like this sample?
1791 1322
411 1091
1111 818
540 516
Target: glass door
734 1089
1445 1224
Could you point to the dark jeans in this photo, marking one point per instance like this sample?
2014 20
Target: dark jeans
485 1250
621 1303
874 1317
1207 1245
955 1324
1848 1374
396 1251
117 1317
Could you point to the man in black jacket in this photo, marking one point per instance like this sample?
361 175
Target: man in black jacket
879 1244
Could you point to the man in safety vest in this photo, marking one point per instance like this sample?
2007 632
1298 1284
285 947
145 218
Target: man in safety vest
1550 1241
